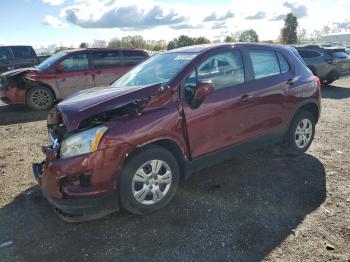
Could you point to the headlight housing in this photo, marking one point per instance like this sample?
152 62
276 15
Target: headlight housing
83 142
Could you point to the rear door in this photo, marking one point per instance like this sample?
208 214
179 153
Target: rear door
23 56
107 67
5 59
77 74
270 89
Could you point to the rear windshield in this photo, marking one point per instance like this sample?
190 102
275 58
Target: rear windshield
338 54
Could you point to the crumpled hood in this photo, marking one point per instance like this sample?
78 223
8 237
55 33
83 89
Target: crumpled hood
90 102
18 71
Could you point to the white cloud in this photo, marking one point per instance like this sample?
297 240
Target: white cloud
156 19
54 2
52 21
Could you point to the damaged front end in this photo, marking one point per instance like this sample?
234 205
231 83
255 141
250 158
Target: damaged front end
13 85
78 176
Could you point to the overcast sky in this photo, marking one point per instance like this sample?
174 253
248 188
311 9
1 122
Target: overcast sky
70 22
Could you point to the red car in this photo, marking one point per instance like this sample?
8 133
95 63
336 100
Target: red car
66 73
177 112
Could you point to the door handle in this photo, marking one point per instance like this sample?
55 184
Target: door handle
246 98
290 82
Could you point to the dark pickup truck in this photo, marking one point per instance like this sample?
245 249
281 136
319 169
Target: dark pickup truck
12 57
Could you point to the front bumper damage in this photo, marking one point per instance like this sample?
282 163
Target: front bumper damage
75 199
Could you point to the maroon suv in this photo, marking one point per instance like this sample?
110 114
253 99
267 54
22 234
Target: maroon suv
65 73
175 113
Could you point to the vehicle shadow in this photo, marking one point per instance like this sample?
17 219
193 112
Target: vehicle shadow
240 210
335 92
16 114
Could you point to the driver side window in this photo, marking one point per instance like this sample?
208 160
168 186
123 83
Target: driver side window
224 70
76 62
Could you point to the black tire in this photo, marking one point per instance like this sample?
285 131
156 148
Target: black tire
40 98
291 147
126 185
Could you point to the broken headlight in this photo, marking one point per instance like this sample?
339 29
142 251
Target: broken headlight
83 142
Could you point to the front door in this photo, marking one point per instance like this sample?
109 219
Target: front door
76 75
221 119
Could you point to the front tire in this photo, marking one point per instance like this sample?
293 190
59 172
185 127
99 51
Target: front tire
40 98
301 133
148 180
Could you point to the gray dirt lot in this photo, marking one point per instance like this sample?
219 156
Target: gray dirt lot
260 206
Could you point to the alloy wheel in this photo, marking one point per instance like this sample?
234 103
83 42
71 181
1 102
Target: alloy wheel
41 98
303 133
151 182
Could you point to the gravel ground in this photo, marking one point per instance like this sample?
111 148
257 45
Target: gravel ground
260 206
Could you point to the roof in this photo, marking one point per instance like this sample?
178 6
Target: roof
103 49
205 47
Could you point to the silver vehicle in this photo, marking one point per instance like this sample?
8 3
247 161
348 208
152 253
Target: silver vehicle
327 63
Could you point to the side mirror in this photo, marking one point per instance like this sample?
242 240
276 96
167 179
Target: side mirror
204 88
59 68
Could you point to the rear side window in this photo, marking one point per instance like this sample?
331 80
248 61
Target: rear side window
133 57
76 62
22 52
265 63
4 54
308 53
106 59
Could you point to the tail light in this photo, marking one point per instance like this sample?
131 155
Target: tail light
317 80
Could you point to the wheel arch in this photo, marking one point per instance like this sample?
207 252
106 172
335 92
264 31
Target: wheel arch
172 146
311 107
41 85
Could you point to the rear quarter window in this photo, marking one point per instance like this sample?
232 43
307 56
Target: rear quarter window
133 57
284 65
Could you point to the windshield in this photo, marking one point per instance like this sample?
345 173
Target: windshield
158 69
51 60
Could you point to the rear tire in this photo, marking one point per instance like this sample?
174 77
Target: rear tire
40 98
301 133
148 180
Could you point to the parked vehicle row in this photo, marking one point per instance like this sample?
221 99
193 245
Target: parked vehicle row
327 63
179 111
12 57
65 73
